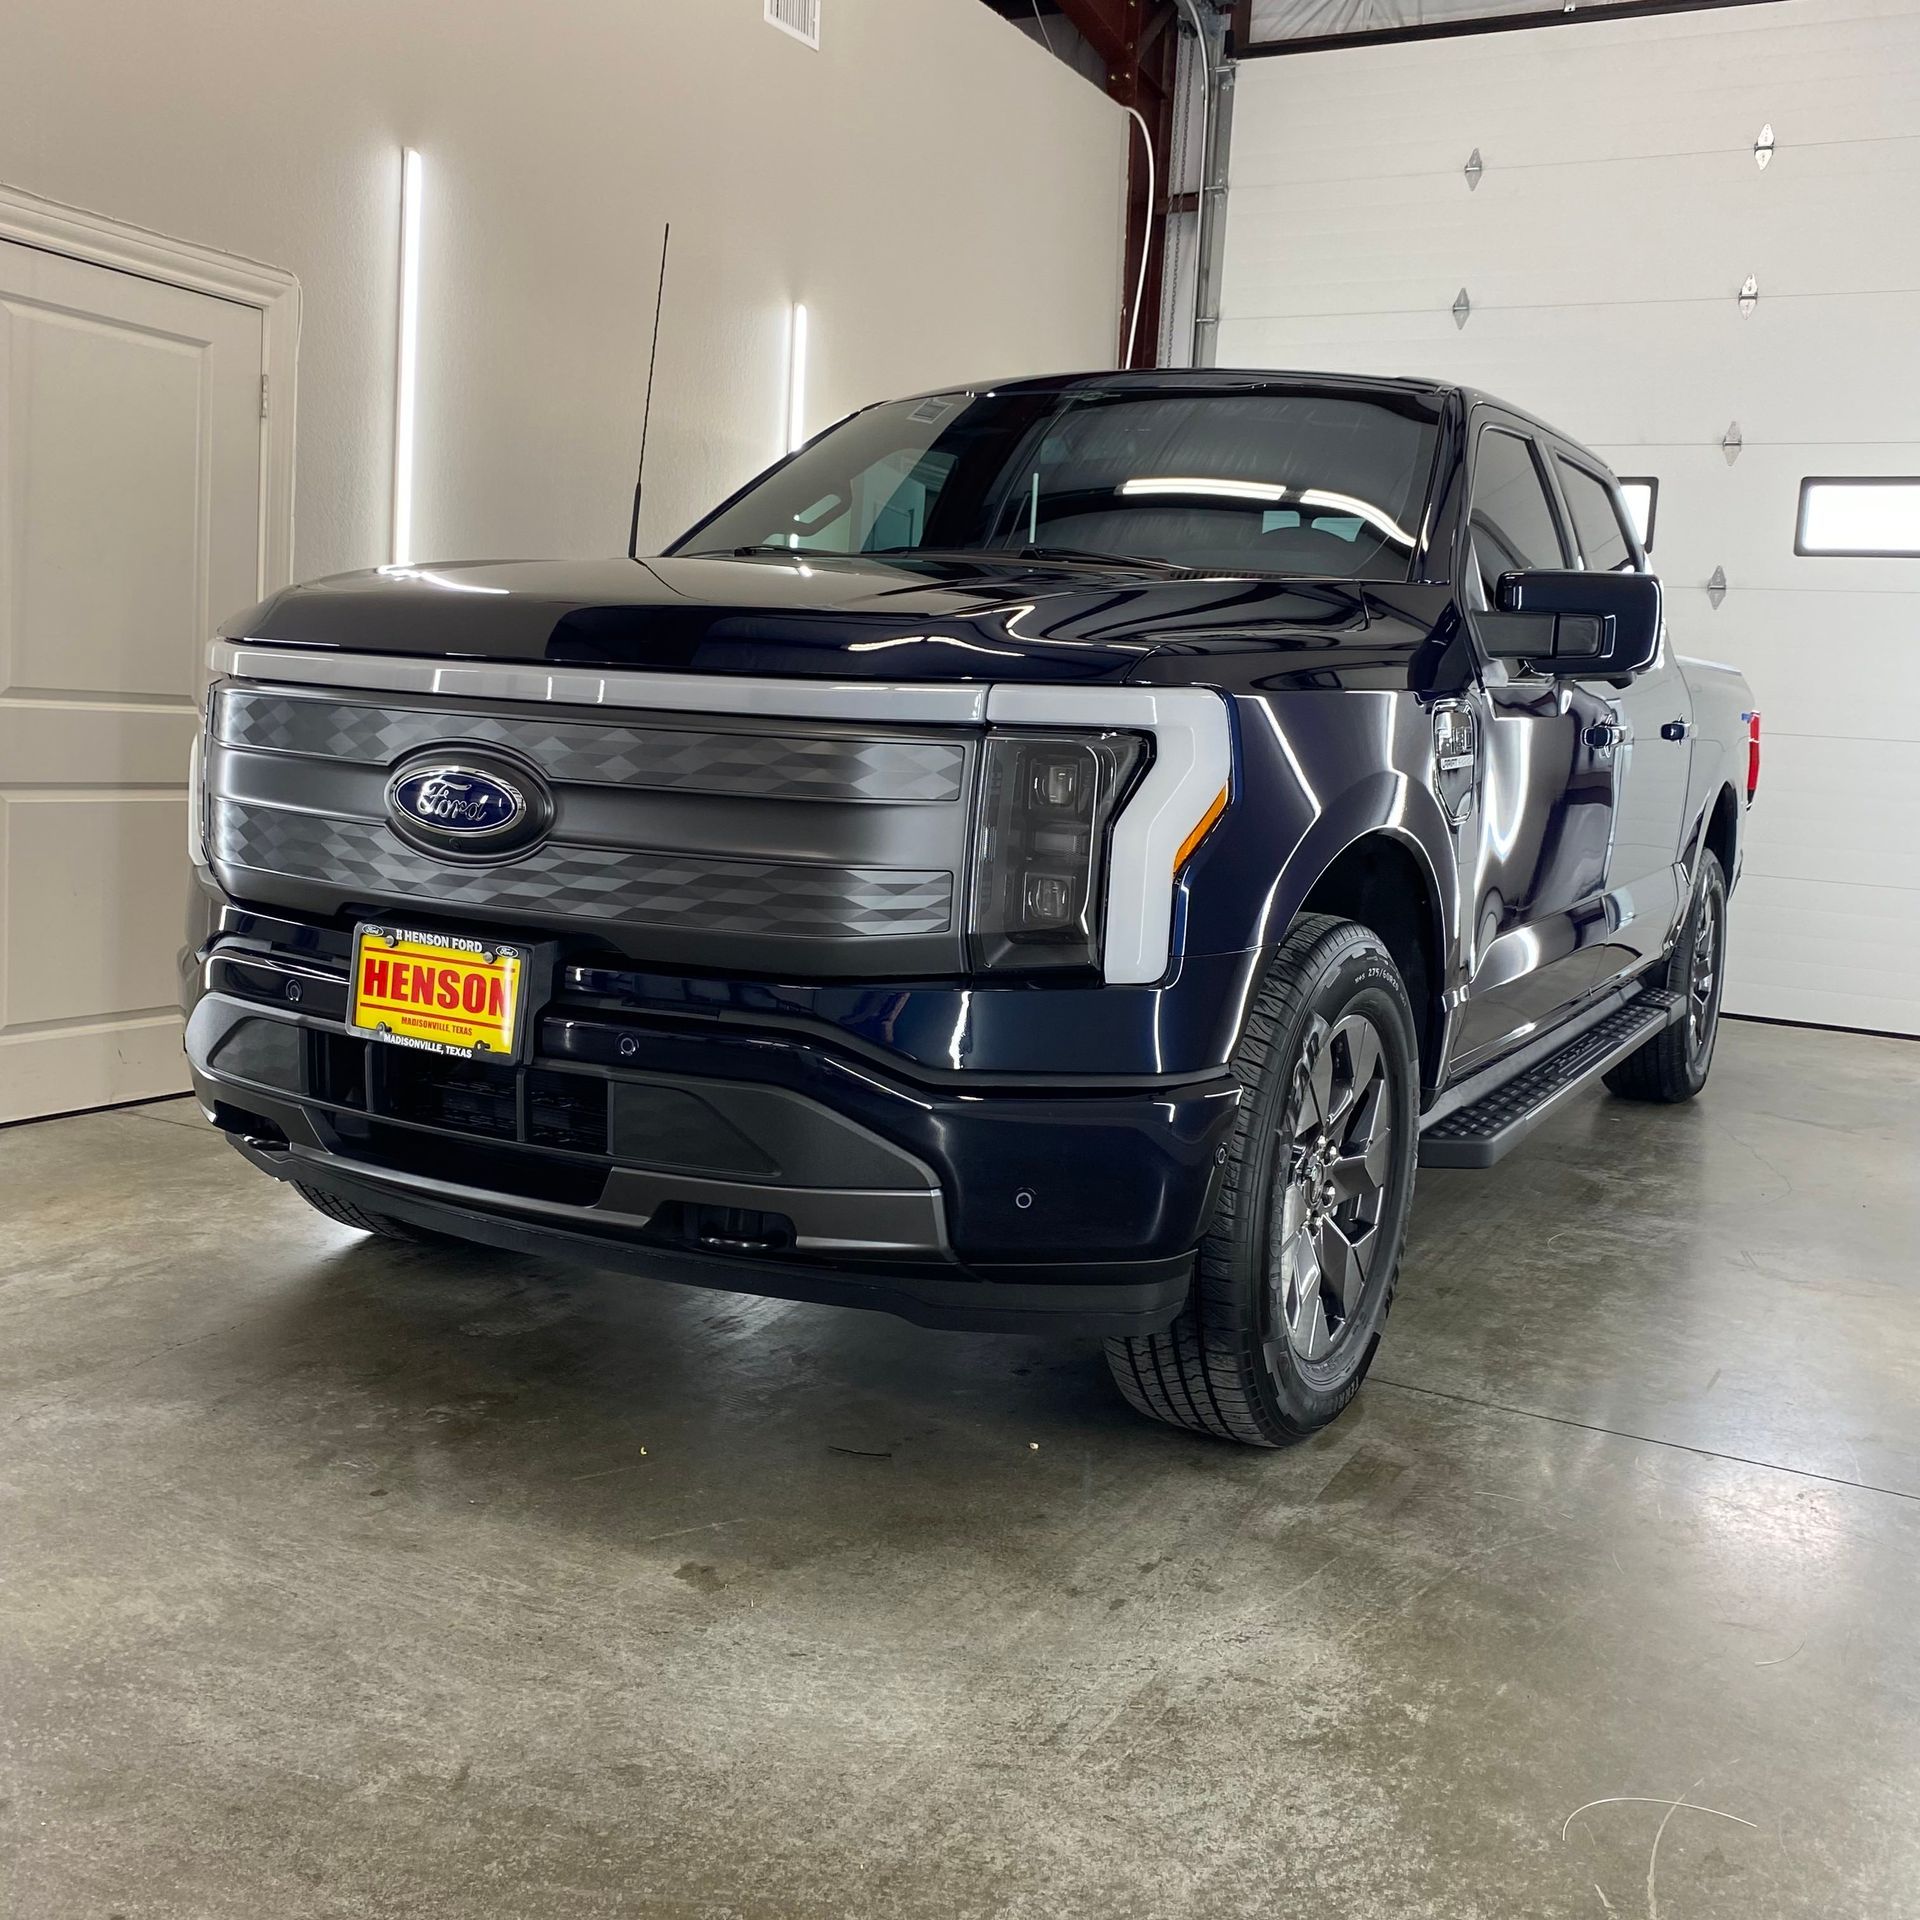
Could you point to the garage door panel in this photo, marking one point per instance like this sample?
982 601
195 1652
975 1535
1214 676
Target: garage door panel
1827 952
1807 822
1639 373
1709 515
1638 241
1807 656
1743 516
1831 73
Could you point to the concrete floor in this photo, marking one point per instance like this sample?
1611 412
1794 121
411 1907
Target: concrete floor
343 1580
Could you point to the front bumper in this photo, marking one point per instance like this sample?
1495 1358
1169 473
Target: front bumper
766 1162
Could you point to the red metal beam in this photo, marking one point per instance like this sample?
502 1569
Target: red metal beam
1107 26
1139 42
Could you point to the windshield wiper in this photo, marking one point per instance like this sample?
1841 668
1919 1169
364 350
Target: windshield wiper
1077 556
1045 556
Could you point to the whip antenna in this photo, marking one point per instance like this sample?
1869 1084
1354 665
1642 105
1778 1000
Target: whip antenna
646 408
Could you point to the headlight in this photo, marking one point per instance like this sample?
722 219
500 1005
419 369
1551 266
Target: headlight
1040 846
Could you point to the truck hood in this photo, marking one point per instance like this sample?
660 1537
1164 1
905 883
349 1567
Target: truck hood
812 616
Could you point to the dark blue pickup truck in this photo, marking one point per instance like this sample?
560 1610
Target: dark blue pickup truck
1055 855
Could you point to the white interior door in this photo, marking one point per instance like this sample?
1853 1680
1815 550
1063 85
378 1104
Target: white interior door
129 523
1621 207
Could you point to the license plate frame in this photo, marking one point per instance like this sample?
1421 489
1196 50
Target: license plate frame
493 1028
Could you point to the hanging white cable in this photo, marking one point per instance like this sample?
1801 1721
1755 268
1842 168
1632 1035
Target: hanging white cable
1146 239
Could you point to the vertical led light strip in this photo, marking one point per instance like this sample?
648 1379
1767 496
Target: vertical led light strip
408 367
796 378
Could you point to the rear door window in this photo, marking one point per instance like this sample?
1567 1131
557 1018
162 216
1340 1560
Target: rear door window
1604 545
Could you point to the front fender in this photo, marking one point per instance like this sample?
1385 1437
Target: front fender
1319 771
1389 804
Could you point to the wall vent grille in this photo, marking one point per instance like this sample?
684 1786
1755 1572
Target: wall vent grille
801 18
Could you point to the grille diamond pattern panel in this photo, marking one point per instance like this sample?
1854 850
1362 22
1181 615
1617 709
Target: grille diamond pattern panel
596 753
359 857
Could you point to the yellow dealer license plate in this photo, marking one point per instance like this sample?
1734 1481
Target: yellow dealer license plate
442 991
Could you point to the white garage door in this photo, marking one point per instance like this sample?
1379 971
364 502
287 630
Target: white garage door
1620 210
129 521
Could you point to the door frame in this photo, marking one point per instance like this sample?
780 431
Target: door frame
98 241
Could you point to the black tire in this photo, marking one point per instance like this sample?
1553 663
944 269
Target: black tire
1674 1064
1244 1360
350 1215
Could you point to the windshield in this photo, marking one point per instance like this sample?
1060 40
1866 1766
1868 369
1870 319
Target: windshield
1270 481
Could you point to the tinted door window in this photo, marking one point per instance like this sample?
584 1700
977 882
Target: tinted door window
1596 522
1513 525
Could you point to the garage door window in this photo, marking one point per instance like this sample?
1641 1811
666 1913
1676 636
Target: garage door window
1868 519
1604 545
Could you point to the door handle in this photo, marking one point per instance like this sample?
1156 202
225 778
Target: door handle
1604 735
1676 729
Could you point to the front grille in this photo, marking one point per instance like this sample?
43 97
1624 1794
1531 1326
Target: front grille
766 766
680 843
567 1110
463 1096
366 860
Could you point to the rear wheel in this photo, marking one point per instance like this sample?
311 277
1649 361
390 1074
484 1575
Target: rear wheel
1298 1266
364 1218
1674 1064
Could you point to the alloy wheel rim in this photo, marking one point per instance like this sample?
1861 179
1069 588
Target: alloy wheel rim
1333 1163
1703 975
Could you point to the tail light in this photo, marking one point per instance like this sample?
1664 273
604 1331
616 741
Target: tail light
1753 755
1040 849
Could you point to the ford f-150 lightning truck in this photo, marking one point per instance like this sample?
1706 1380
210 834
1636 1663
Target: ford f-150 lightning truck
1053 855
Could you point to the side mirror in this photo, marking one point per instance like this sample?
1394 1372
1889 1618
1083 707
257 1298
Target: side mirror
1603 625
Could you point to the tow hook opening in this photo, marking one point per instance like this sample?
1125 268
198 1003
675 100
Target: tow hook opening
737 1230
249 1128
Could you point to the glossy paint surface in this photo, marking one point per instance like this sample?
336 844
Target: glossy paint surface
1555 864
1066 1176
858 618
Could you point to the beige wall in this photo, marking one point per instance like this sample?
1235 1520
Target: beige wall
944 197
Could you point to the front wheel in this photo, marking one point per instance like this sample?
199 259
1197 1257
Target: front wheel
1298 1266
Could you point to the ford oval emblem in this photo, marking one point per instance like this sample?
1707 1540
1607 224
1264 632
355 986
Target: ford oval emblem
465 808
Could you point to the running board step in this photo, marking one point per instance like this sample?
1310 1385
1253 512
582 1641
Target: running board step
1497 1122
